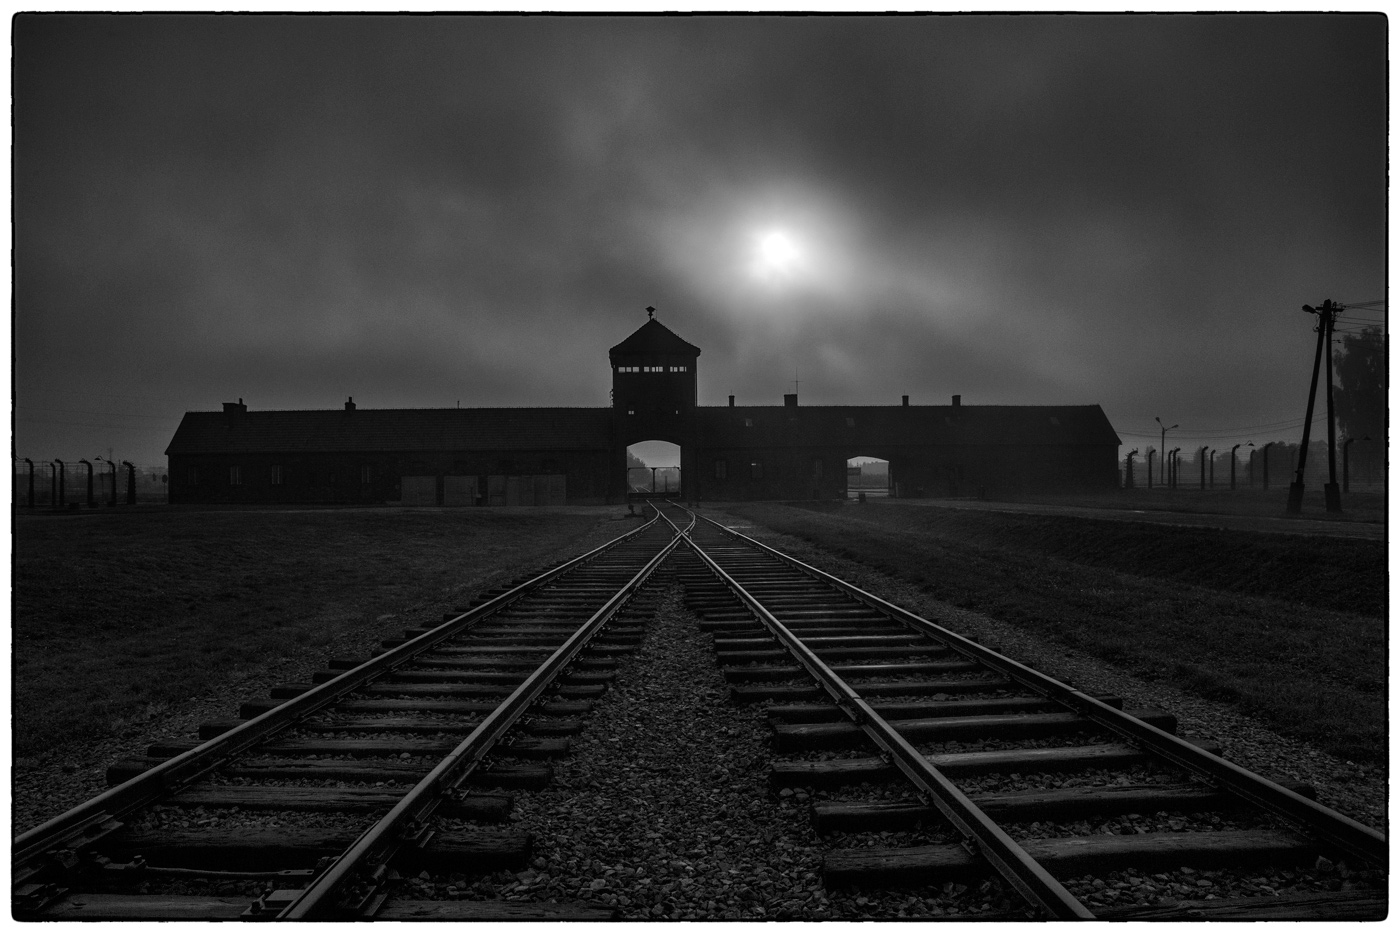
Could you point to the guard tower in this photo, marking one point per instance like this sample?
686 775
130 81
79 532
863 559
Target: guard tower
653 394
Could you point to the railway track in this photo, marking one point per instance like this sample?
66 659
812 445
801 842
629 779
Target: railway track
926 761
1005 771
324 794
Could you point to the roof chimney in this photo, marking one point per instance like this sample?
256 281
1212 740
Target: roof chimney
790 400
731 401
906 400
957 401
349 403
235 408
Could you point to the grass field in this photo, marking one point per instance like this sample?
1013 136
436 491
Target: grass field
118 616
1289 628
1358 505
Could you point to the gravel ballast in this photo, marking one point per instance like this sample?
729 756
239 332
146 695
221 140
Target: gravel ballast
662 810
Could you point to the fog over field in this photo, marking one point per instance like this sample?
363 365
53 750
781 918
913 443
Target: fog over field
420 211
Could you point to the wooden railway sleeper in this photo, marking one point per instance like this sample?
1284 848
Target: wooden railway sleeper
346 884
1335 829
1010 860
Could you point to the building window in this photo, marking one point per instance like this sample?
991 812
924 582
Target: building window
850 422
721 469
235 476
631 411
679 369
277 474
748 422
653 369
756 469
194 476
816 468
366 474
1055 421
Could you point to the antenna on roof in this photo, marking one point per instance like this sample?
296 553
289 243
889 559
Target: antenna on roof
651 313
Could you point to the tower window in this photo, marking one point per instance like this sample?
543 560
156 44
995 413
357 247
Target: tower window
276 477
235 476
756 469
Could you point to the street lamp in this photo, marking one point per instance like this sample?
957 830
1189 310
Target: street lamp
1232 463
1165 429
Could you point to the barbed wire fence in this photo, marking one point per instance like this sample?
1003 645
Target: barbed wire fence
67 487
1360 465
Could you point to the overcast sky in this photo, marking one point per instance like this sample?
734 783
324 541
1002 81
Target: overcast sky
417 211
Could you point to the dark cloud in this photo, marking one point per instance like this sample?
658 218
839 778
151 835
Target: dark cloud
416 210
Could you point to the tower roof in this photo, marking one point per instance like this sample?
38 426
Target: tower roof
654 337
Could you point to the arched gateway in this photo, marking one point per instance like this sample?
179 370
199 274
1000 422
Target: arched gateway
578 456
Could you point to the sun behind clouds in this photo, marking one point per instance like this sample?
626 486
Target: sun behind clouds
777 257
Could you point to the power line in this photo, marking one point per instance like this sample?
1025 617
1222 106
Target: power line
1226 433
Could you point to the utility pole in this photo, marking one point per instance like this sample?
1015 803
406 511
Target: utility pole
1324 337
1165 429
1330 494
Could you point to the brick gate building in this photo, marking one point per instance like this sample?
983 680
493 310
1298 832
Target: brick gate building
557 456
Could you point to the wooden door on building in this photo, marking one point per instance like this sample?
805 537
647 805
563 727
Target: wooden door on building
459 490
418 490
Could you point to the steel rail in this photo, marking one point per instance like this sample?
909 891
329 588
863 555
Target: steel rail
1011 861
1313 818
405 824
151 785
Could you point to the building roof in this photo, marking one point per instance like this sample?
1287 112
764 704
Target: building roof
392 429
887 426
654 337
